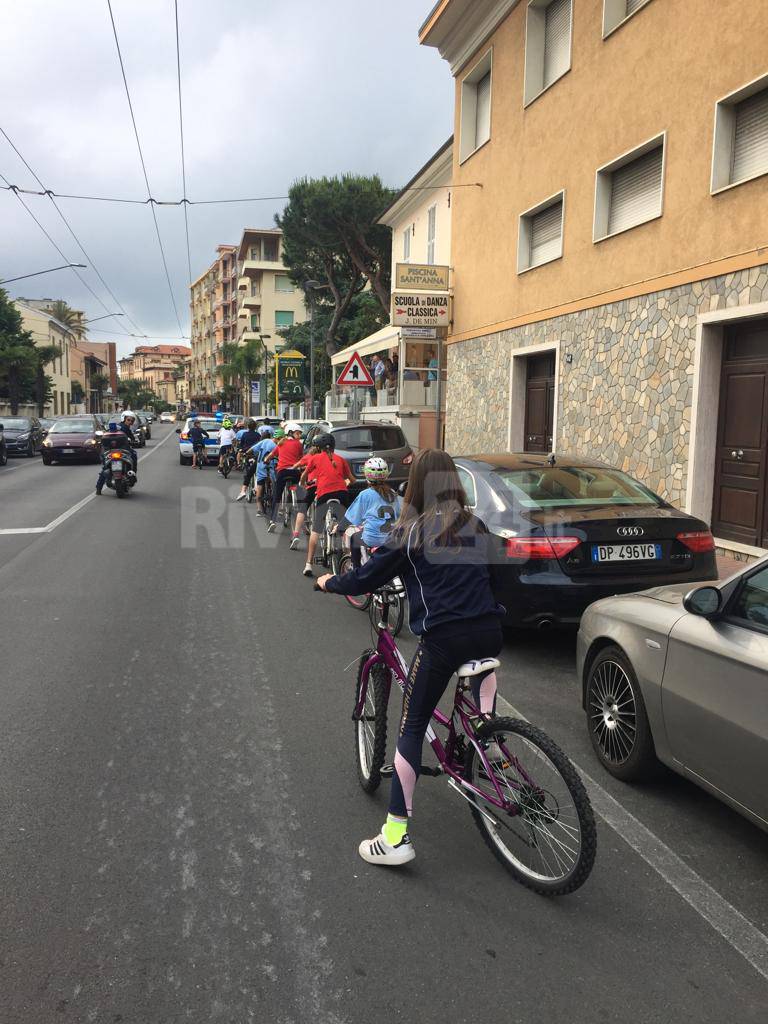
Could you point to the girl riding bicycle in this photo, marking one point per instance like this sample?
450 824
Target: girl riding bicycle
443 556
374 511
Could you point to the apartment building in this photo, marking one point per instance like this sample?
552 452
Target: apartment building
106 351
610 241
267 298
47 330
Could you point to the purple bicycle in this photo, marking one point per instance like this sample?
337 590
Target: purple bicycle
525 795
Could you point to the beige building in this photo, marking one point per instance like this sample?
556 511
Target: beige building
46 330
267 299
420 220
609 252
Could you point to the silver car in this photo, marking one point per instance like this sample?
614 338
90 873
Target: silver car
357 441
680 676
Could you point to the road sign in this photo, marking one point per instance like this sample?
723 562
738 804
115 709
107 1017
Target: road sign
355 373
256 391
421 309
424 276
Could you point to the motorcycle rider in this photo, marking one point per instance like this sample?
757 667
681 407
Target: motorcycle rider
118 436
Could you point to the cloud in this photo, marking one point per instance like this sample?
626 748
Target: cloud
272 91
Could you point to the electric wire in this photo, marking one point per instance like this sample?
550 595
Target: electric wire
144 167
181 135
69 228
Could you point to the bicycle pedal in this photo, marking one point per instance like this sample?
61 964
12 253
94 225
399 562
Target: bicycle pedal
387 769
429 769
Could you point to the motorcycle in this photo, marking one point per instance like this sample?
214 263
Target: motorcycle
120 475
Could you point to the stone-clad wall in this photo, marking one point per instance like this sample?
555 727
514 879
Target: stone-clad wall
625 397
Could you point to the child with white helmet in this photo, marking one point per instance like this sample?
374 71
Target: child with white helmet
375 510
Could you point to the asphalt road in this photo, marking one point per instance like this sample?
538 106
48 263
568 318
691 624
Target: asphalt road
180 812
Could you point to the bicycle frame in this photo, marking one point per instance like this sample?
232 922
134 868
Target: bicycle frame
388 654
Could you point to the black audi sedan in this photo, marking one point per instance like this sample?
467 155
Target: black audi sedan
568 531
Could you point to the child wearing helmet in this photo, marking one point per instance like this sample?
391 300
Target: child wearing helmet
226 440
289 451
374 511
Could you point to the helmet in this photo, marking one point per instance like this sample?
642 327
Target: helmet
265 431
324 441
375 468
279 434
112 427
291 427
127 414
227 424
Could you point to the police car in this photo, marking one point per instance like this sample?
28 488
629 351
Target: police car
211 423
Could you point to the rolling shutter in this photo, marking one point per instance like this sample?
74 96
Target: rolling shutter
634 5
750 138
483 110
546 234
636 192
557 40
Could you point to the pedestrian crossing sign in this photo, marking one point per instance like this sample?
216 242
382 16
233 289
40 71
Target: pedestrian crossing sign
355 373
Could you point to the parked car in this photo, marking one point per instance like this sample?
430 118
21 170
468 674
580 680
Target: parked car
144 424
357 441
167 417
569 531
679 676
149 415
46 423
73 437
209 423
3 449
23 435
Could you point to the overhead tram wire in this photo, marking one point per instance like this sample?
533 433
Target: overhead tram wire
69 228
181 134
152 204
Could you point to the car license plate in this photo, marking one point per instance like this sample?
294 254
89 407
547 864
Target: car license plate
625 552
67 451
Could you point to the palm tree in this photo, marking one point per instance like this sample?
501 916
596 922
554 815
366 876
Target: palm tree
99 384
66 315
249 360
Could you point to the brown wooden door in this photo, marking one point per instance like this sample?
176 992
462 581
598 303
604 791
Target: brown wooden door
739 510
539 402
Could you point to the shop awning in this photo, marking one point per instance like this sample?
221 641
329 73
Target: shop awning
381 340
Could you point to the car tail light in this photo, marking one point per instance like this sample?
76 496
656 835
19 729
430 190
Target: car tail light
115 455
525 548
408 459
699 542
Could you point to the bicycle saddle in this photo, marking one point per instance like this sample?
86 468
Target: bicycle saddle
476 668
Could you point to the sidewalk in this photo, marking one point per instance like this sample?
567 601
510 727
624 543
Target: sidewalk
727 566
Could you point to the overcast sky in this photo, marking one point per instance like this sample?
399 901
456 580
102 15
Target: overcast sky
272 90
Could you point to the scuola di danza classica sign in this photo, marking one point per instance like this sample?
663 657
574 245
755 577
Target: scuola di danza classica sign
421 309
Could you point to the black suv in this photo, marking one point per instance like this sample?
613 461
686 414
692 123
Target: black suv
357 441
23 435
3 449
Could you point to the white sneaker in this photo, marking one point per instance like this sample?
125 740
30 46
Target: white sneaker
240 497
307 570
294 543
271 527
378 851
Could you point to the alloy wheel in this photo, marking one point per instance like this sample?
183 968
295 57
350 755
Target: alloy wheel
613 711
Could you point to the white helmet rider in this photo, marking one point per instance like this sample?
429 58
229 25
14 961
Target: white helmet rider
127 414
292 427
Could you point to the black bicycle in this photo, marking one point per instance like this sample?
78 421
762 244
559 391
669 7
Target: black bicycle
228 463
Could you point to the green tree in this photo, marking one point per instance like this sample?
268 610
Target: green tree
135 394
43 384
65 315
18 359
77 392
99 383
331 234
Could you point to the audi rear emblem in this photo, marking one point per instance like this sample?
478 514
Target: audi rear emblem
630 531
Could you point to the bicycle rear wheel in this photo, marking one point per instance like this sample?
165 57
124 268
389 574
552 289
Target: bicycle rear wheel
548 843
226 467
371 729
361 601
250 492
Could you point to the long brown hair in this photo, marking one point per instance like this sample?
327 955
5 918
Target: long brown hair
435 502
383 489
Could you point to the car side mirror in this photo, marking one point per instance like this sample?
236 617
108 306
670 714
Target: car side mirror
705 601
178 430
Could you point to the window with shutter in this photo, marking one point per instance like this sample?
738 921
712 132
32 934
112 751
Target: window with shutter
546 234
557 40
483 111
636 192
431 233
406 245
750 137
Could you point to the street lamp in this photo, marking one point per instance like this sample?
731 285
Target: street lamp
264 406
106 316
310 287
64 266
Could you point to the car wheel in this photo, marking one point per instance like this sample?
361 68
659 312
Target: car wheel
184 460
47 460
3 457
30 452
617 721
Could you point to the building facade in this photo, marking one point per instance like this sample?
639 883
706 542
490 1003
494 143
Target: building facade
609 255
46 330
267 300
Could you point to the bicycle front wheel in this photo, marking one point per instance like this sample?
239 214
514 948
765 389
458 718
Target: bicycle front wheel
371 729
396 613
547 839
361 601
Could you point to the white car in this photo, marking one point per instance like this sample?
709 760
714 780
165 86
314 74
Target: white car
167 417
209 423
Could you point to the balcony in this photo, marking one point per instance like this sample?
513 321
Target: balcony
250 301
250 335
244 282
253 266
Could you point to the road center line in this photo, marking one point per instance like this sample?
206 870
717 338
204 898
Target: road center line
75 508
727 921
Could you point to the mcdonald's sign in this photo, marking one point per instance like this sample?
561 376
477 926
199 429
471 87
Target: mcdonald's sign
289 374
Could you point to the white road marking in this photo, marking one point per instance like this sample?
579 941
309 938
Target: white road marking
727 921
75 508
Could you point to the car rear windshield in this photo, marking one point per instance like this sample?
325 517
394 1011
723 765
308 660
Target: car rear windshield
369 439
570 486
73 427
15 423
208 425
